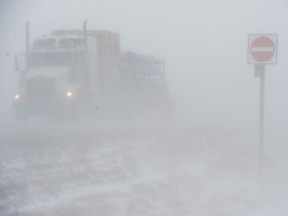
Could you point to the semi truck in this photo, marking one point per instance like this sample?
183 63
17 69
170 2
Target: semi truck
75 72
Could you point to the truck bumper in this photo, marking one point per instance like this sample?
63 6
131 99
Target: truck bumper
58 107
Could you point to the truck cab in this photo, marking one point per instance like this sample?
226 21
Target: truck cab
57 76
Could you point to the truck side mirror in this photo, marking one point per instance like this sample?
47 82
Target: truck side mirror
16 64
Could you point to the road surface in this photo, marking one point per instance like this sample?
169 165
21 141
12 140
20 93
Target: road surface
123 169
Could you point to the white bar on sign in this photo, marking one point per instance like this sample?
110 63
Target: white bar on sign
262 49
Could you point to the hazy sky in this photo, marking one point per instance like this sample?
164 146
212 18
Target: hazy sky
204 43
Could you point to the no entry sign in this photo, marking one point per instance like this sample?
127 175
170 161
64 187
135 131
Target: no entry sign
262 49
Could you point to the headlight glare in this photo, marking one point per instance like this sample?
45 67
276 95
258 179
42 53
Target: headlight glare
69 94
17 97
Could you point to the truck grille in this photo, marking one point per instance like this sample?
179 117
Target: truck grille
41 90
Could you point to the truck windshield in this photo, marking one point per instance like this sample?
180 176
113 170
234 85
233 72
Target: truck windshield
50 59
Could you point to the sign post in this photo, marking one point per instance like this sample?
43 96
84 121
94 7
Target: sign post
262 50
260 72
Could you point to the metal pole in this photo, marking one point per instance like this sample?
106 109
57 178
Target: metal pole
262 119
27 32
86 75
85 35
260 72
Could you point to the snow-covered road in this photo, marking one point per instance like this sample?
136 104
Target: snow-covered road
115 170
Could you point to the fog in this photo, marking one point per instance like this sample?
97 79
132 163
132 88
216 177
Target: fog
204 44
212 91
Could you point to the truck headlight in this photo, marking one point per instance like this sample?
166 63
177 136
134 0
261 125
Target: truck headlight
69 94
17 97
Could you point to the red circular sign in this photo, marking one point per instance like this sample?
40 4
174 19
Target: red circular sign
262 49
